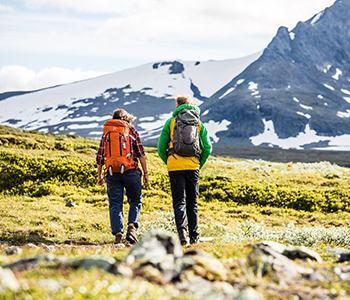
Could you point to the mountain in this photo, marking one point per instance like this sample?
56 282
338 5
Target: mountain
293 95
297 94
147 91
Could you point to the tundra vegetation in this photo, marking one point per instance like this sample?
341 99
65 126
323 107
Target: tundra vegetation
241 202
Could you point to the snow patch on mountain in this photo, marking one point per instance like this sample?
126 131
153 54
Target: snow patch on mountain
309 136
316 18
151 128
215 127
56 105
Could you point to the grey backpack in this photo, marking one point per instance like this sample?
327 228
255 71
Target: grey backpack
186 135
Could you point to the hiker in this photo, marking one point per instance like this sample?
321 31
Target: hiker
120 150
184 159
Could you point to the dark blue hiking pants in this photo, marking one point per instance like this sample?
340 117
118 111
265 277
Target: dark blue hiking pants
184 190
131 181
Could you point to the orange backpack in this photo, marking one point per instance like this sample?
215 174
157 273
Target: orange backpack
118 147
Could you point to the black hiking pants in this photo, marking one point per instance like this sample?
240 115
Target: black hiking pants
184 190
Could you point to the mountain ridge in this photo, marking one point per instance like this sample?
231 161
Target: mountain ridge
295 94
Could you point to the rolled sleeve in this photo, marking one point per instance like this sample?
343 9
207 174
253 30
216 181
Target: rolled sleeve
138 149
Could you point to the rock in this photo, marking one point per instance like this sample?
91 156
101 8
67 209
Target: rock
318 277
39 261
345 256
274 245
30 245
343 272
107 264
13 250
264 259
49 248
8 280
70 204
207 266
150 273
155 245
301 252
104 263
336 252
204 289
249 294
292 252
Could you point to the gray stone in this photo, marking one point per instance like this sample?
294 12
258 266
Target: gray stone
70 204
336 252
31 245
292 252
49 248
13 250
155 245
318 277
104 263
39 261
265 260
208 266
301 252
204 289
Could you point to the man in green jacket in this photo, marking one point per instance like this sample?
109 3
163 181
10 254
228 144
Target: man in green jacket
184 172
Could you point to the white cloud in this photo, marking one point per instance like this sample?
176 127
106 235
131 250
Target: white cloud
19 78
6 8
123 32
181 20
212 29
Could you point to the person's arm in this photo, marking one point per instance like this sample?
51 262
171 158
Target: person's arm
139 152
143 163
205 145
163 142
100 180
100 163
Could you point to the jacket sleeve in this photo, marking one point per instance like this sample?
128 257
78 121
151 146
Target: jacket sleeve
163 142
205 145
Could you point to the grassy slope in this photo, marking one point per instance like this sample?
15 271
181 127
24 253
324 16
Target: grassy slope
40 173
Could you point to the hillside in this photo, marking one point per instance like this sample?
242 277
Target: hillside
50 250
147 91
292 95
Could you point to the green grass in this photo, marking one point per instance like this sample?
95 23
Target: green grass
240 202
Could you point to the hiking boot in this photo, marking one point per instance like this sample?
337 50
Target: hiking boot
118 238
183 237
131 234
194 240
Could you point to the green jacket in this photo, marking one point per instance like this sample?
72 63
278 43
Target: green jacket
176 162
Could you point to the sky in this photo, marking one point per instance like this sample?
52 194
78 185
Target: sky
48 42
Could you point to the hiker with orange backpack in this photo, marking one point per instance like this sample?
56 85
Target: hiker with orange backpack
184 146
120 150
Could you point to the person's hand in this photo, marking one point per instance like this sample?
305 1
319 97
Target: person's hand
145 179
101 181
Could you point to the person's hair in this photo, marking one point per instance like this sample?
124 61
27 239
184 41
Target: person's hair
183 99
121 114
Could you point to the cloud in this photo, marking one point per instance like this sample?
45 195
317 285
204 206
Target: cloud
19 78
6 8
119 32
113 27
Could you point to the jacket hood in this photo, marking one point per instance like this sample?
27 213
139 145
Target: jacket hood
186 106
